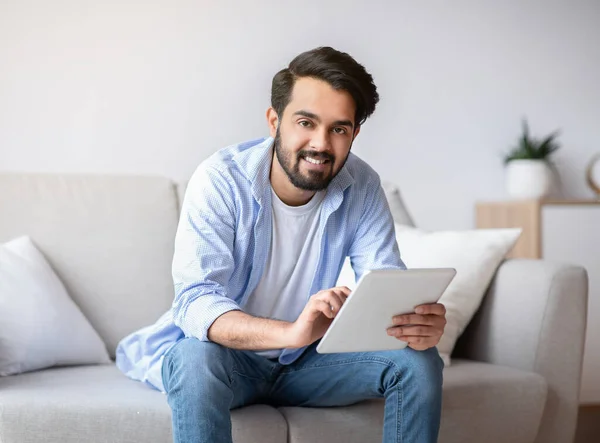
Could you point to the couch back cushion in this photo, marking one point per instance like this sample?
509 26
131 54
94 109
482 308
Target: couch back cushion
109 239
181 187
396 202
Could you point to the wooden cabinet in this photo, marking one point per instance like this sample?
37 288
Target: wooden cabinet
565 231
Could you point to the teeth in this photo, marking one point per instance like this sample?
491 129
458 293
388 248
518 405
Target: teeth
314 161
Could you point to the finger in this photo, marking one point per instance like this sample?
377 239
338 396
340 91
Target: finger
342 291
340 294
318 307
420 347
437 321
414 319
345 290
419 343
335 301
413 331
431 309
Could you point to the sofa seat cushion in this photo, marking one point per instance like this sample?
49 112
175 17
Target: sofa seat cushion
482 403
64 405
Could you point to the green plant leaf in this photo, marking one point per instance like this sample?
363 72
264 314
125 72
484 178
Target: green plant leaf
529 147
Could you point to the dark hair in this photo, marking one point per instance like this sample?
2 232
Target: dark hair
338 69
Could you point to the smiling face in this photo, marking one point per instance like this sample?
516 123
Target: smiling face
313 138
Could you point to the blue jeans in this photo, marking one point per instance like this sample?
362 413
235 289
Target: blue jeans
204 381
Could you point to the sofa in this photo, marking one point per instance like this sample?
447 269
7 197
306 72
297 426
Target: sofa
514 377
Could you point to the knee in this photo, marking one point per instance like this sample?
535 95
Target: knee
425 364
421 369
193 363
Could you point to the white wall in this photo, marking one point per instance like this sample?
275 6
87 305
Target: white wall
157 86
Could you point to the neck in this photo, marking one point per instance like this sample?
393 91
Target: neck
285 190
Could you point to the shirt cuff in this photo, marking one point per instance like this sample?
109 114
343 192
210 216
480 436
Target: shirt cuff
203 312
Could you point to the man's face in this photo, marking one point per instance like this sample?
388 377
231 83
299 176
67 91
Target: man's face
315 134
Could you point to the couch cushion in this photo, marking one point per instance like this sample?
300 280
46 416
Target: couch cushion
482 403
37 316
181 187
396 203
109 239
99 404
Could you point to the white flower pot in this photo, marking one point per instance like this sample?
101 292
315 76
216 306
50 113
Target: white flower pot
528 179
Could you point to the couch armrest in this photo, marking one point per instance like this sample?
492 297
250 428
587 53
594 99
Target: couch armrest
534 318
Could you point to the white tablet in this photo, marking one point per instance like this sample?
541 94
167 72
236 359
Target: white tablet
361 325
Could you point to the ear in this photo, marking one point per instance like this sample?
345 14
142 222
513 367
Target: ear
272 121
356 131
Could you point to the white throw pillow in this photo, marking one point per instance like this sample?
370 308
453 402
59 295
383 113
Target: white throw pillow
475 254
40 325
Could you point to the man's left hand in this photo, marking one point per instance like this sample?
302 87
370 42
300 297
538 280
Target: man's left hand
421 330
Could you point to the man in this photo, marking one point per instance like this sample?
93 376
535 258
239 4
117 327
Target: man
264 229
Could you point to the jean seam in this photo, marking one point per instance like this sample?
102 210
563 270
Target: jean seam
166 364
235 371
380 360
162 373
167 355
399 417
168 361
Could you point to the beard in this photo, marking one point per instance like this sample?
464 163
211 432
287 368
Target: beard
311 180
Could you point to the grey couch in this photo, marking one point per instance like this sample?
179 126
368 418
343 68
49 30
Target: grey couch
514 378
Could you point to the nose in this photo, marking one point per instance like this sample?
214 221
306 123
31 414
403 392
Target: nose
320 140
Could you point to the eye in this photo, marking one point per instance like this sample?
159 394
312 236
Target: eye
305 123
339 130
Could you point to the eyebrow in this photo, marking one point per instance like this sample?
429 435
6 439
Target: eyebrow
317 118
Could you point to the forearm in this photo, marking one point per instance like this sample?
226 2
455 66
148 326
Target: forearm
238 330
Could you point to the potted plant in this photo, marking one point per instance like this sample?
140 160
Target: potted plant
529 170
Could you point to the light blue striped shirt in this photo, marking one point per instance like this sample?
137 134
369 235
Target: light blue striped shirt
223 239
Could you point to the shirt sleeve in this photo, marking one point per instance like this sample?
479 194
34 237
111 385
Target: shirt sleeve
203 256
374 245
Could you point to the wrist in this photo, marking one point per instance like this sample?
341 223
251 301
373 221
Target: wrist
288 335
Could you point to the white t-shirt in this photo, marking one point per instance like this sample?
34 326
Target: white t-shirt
284 287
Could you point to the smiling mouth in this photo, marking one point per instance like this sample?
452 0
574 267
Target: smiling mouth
314 161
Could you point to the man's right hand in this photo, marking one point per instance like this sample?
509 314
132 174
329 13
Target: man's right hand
317 315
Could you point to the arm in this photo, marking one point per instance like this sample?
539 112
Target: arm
203 264
203 256
374 244
238 330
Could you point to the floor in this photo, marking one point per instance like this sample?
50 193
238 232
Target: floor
588 425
